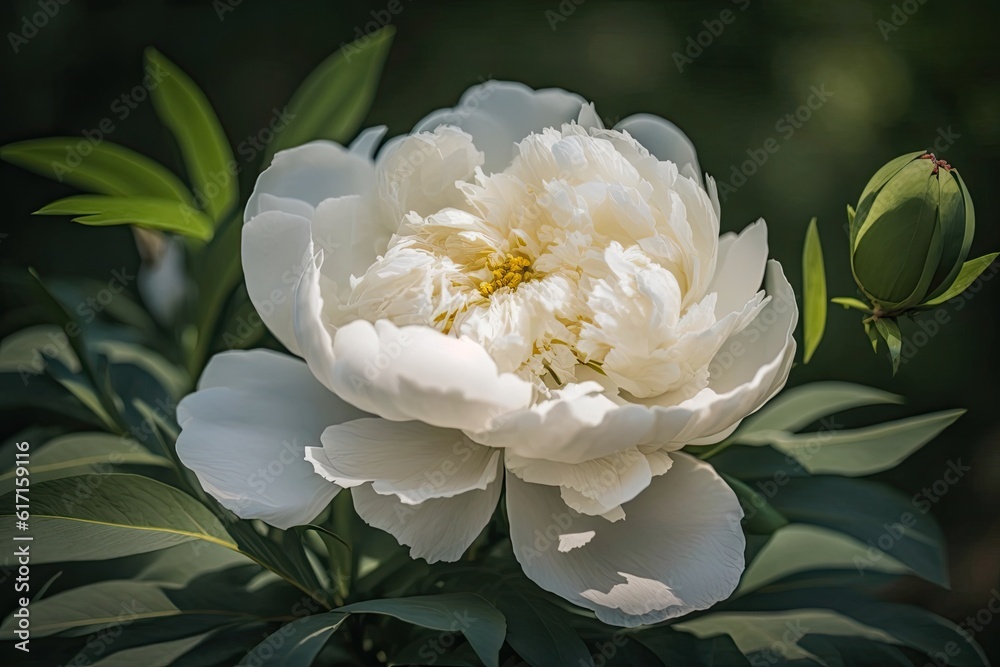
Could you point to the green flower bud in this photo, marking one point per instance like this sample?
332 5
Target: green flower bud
911 232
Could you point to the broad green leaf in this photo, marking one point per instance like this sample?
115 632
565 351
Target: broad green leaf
100 167
83 389
185 110
90 608
539 632
850 302
226 646
91 517
759 516
474 617
889 331
971 270
26 350
82 453
43 392
680 648
781 636
296 644
874 514
172 378
163 654
861 451
151 213
813 292
334 99
801 406
801 547
905 625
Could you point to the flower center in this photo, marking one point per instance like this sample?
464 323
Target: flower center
508 271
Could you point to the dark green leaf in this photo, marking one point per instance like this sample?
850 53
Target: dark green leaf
539 632
759 516
876 515
299 642
474 617
105 516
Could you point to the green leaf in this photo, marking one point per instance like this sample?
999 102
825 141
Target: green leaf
680 648
101 167
759 634
970 271
760 516
296 644
801 406
148 212
899 624
850 215
862 451
889 331
92 517
813 292
85 387
470 614
81 453
43 392
881 517
849 302
91 608
334 99
185 110
873 336
799 548
538 630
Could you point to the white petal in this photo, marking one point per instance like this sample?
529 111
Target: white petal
311 173
577 425
276 249
740 268
352 236
679 549
439 529
592 487
244 434
664 140
419 173
418 373
751 367
411 460
368 140
588 118
498 114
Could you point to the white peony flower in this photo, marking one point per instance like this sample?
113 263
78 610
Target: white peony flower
511 298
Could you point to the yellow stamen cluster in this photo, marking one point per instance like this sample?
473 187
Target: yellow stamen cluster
510 271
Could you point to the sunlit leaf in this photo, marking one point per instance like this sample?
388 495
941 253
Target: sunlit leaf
151 213
334 99
813 292
183 108
100 167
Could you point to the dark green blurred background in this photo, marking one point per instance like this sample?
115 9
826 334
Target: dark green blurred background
891 91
